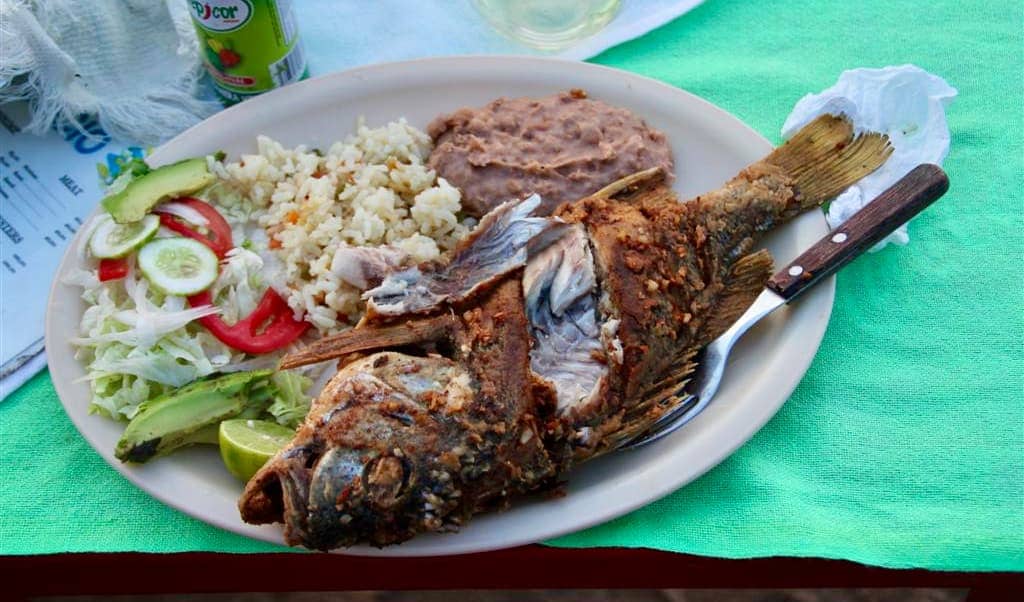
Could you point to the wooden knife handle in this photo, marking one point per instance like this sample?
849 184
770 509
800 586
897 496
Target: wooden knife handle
876 220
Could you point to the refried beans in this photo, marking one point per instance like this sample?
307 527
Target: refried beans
562 147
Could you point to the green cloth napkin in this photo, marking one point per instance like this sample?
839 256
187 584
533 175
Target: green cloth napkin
903 445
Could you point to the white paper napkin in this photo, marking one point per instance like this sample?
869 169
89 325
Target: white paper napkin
905 102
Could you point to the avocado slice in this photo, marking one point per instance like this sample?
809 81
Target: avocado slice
146 191
208 435
184 416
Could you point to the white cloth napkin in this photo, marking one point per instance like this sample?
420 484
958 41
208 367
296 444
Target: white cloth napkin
905 102
133 64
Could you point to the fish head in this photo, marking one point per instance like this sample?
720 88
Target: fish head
374 461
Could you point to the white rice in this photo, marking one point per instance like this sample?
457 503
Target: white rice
372 189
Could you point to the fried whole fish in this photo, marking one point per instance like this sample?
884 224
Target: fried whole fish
541 343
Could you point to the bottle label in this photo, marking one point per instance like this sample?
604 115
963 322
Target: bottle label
248 46
223 15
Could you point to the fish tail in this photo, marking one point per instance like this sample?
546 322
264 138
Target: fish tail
826 156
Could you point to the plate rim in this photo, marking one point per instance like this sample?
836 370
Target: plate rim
825 291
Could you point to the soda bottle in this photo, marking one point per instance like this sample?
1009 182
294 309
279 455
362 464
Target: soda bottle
248 46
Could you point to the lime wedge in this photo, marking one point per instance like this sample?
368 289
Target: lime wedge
246 445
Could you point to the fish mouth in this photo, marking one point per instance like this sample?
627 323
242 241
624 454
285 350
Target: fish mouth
346 496
276 494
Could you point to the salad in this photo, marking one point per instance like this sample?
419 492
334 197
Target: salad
198 276
182 330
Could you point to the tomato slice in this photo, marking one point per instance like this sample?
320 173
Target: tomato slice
271 325
281 328
113 269
218 235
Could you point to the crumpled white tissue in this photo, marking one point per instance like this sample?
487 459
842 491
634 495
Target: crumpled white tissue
905 102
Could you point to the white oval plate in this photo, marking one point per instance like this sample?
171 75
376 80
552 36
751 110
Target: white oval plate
710 146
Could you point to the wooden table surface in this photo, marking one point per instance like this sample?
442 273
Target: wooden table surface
528 567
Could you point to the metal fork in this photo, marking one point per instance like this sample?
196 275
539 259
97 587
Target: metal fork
906 198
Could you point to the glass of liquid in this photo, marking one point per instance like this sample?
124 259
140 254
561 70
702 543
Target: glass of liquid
547 24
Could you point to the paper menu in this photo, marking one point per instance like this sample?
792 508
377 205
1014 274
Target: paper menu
48 186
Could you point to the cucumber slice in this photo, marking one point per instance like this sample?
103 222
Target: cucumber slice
111 239
178 265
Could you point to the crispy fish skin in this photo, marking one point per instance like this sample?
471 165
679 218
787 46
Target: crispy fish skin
399 444
674 263
660 277
675 276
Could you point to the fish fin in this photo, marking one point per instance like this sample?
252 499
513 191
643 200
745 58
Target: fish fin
825 157
676 375
640 180
745 282
657 400
369 337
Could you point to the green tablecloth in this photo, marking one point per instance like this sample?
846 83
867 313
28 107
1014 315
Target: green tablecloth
904 444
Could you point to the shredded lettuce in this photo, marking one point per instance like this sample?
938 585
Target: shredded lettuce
291 402
239 286
142 321
138 343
